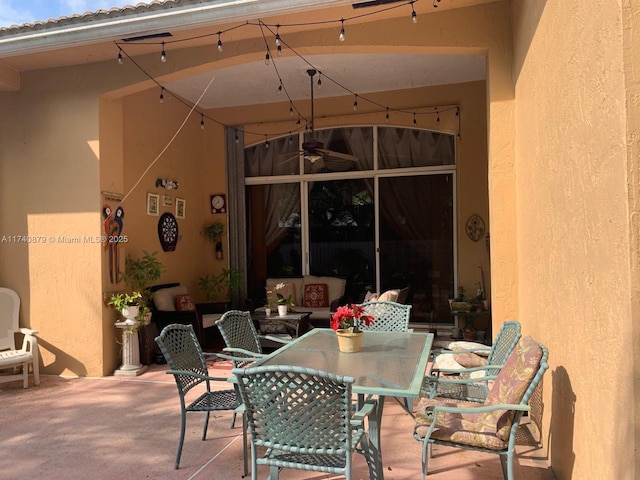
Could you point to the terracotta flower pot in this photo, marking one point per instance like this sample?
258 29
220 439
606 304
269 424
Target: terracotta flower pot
348 341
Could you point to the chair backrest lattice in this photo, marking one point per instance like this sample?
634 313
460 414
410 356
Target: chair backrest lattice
238 331
181 349
388 316
9 318
293 408
504 344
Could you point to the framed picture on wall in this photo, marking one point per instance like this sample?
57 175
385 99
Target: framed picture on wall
181 205
167 201
153 201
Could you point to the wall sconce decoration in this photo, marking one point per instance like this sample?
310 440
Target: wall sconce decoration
167 184
475 227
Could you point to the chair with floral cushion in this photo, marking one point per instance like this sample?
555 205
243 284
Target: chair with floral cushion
489 427
481 366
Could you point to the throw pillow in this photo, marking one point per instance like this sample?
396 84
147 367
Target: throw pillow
389 296
184 303
165 298
371 296
316 295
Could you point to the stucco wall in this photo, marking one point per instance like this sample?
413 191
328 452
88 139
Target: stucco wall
573 228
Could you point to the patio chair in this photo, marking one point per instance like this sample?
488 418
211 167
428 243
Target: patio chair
10 356
489 427
389 316
304 419
179 345
453 382
241 338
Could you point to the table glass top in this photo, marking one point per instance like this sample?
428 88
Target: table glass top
390 363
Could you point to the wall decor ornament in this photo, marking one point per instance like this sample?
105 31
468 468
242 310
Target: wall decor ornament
167 201
218 203
168 232
181 205
113 225
153 201
475 227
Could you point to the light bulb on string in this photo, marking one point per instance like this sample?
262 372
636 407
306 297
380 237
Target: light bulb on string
161 94
437 117
202 121
119 56
280 88
355 103
237 139
267 58
415 122
266 141
279 50
386 117
298 122
163 55
291 109
219 42
341 36
319 80
278 35
290 138
414 15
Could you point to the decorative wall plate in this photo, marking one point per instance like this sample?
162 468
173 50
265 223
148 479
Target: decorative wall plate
168 232
475 227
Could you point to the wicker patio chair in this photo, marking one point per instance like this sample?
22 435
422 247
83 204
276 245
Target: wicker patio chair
453 383
489 427
304 420
388 316
180 347
11 357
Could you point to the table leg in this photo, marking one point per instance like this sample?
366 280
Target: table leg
376 471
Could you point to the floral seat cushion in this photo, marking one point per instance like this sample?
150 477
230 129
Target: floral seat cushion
490 429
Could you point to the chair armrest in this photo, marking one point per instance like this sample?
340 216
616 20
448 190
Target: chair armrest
237 358
30 341
276 339
367 409
463 381
450 371
28 331
241 351
188 373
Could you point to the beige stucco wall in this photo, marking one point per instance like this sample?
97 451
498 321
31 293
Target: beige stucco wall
573 239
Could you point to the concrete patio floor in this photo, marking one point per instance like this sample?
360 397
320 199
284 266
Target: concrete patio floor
128 428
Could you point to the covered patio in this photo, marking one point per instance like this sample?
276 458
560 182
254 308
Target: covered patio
117 427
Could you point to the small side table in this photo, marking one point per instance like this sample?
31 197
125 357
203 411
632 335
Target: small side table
131 366
469 318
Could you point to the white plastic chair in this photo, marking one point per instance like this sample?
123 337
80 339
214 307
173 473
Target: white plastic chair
10 357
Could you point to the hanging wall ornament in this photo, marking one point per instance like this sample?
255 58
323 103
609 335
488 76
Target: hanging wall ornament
475 227
168 232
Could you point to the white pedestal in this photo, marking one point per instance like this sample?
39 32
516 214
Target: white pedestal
131 365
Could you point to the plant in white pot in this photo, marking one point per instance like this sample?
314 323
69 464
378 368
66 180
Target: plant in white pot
139 274
128 305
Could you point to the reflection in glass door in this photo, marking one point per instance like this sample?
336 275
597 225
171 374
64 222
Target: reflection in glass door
342 232
416 250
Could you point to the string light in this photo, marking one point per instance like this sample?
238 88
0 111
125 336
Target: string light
161 94
219 42
319 80
237 139
163 55
290 109
341 36
438 117
202 121
266 141
414 15
278 46
119 56
280 88
267 58
355 103
386 117
415 122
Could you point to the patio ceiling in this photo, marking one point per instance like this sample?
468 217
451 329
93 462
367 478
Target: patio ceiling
89 38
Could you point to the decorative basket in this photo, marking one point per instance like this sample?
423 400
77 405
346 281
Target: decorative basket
349 342
460 306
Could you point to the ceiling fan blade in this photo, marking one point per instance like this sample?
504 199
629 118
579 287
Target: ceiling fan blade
341 156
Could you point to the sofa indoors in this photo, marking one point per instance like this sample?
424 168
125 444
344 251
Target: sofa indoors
317 295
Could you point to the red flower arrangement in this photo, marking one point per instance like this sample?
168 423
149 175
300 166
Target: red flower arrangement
351 317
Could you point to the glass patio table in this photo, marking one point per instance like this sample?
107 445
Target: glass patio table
390 364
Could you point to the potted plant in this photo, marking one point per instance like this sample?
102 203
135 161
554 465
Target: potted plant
213 232
139 274
347 322
282 302
222 287
127 305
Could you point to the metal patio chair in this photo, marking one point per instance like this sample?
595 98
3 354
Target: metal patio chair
388 316
490 426
10 356
453 383
180 347
304 420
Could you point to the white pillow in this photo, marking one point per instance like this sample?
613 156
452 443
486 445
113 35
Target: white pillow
165 298
389 296
479 348
446 361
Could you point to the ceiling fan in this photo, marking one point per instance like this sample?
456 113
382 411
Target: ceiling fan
313 150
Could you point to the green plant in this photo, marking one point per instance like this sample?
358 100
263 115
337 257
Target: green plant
120 301
230 280
141 272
